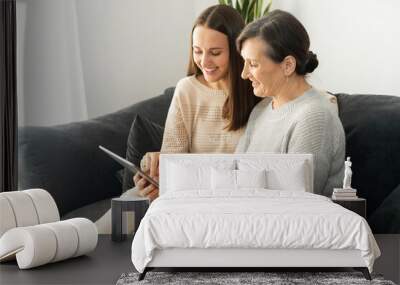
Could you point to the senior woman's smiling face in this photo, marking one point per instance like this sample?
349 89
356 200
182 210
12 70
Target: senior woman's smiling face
266 76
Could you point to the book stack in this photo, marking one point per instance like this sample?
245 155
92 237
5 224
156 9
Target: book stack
344 194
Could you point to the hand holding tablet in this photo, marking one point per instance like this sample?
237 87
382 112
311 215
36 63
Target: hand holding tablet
129 165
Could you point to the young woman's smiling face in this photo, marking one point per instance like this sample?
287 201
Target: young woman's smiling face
211 53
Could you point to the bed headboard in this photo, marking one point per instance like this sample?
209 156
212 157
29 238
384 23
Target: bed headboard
284 171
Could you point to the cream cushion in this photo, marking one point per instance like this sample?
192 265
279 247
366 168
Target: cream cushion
40 244
31 230
26 208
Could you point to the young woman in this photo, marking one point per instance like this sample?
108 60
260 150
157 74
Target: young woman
294 117
212 104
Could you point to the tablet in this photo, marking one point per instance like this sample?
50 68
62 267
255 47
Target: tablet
129 165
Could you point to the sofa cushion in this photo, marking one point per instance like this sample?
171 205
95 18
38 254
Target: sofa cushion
386 218
144 136
371 124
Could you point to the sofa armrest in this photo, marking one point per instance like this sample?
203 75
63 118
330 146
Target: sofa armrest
66 161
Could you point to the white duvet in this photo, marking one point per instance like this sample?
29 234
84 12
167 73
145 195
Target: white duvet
250 219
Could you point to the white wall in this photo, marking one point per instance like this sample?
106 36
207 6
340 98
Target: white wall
132 50
79 59
357 43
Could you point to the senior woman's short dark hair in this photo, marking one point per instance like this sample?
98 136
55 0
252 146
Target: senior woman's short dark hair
284 35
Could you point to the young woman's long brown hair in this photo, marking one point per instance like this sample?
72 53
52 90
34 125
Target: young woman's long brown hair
241 99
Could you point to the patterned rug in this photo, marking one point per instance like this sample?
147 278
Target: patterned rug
270 278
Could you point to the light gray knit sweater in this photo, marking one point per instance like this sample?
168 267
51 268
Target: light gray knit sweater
308 124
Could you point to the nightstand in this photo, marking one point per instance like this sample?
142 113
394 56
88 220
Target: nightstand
119 205
358 205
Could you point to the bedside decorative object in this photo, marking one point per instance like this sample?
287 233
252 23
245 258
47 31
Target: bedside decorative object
357 205
119 205
347 196
347 174
344 194
347 192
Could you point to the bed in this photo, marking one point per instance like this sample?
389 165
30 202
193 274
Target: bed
247 210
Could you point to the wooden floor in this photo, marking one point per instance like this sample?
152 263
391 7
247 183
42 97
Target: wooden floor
110 260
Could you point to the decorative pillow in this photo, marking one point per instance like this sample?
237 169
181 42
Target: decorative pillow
144 136
251 178
181 177
235 179
282 175
223 179
187 174
291 179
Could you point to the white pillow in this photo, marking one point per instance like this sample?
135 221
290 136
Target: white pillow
288 175
182 177
251 178
186 174
223 179
235 179
292 178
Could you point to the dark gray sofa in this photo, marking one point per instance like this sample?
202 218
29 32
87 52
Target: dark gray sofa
65 159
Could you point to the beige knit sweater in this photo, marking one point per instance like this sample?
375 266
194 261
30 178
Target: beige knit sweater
194 122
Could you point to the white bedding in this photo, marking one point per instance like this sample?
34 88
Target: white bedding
250 218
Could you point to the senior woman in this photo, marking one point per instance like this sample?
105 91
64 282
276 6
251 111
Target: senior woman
293 117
